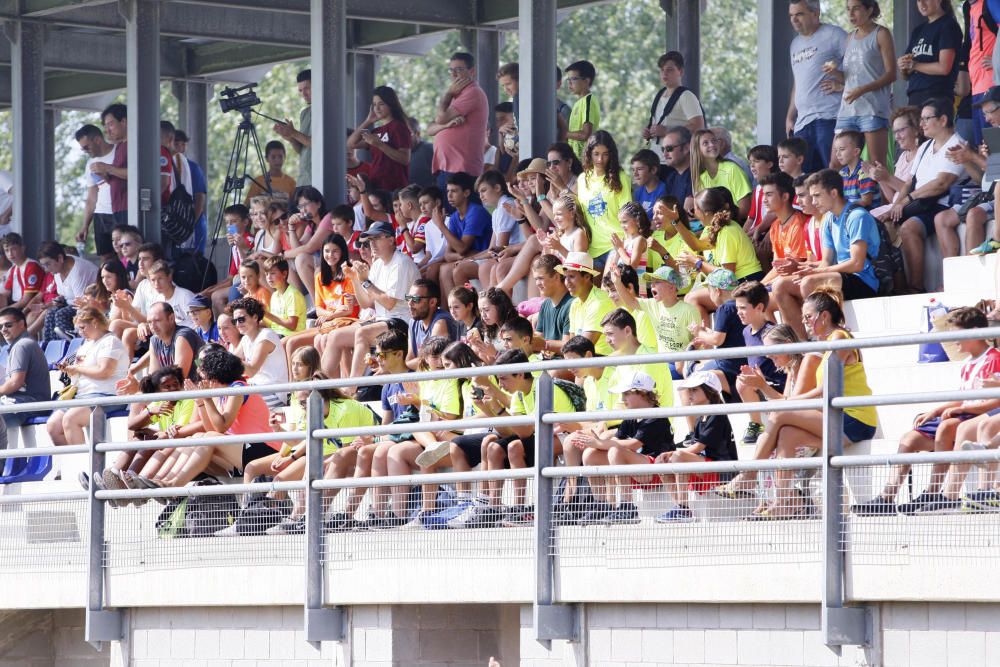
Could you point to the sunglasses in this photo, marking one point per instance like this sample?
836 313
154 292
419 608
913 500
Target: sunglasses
670 149
553 163
239 320
411 298
7 325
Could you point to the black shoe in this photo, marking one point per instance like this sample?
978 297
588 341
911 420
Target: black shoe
624 513
336 523
877 506
598 515
942 506
917 503
486 517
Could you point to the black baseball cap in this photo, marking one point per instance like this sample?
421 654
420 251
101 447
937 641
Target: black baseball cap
991 95
380 228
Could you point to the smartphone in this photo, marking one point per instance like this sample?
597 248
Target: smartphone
232 229
478 393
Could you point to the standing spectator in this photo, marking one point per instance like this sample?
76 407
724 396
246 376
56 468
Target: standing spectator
25 276
980 41
585 118
97 210
563 110
460 122
673 104
6 201
421 155
274 155
72 276
199 192
710 169
301 139
387 136
603 189
26 376
869 69
115 173
676 164
930 62
813 104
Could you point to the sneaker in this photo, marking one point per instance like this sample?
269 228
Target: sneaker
679 514
598 515
752 433
228 531
463 519
981 501
433 454
390 520
625 513
940 506
486 517
112 482
987 247
417 522
877 506
520 515
84 480
288 526
566 514
336 523
925 498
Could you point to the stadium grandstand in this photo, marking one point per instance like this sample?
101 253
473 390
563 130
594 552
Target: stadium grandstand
555 400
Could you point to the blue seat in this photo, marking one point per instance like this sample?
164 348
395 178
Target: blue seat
4 355
55 350
32 469
117 411
37 420
71 350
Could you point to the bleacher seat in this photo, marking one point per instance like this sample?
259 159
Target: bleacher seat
31 469
72 348
55 350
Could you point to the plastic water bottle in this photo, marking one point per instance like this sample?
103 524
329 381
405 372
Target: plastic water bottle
81 248
935 311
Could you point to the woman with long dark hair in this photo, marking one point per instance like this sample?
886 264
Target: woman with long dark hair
603 188
308 226
386 134
710 169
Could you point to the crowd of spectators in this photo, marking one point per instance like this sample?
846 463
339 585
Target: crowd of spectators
681 245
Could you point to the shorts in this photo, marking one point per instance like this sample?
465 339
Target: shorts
652 484
929 428
756 276
599 262
926 218
853 287
256 450
529 449
471 446
856 431
861 123
703 482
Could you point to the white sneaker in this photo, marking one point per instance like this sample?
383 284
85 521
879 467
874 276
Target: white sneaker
229 531
463 519
433 454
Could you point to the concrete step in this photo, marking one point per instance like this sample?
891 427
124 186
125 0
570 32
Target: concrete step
975 273
884 316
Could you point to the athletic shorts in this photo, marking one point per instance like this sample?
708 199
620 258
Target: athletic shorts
855 288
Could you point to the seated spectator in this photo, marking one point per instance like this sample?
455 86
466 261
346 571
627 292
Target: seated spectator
468 229
800 379
792 154
763 160
169 345
239 235
309 229
711 439
260 349
927 194
723 244
286 312
72 276
413 225
131 306
381 288
859 187
850 240
751 301
645 331
463 304
427 318
631 248
710 169
25 276
552 325
436 244
936 429
647 186
229 336
112 278
631 442
495 310
800 433
336 305
127 247
163 290
274 155
666 246
230 415
252 284
620 331
590 304
203 319
726 331
562 170
788 230
603 189
676 168
100 362
814 224
26 376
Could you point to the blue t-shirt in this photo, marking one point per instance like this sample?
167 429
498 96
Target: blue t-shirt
477 222
727 321
774 376
212 334
641 195
389 393
854 224
675 183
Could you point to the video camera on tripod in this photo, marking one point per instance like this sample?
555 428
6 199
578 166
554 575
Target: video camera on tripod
241 99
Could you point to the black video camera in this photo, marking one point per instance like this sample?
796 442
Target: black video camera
240 99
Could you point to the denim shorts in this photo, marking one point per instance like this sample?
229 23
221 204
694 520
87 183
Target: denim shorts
856 430
862 123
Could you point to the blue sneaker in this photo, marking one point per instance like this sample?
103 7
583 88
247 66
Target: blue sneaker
987 247
679 514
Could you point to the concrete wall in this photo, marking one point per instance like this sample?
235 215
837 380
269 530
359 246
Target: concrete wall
45 638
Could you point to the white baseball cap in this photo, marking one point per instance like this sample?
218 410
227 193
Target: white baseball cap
637 381
700 378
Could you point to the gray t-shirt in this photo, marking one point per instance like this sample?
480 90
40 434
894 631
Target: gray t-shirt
26 355
306 156
808 55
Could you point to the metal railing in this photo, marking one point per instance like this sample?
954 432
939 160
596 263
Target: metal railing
828 536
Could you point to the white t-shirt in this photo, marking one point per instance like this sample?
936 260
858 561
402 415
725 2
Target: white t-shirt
146 296
394 279
81 276
505 222
275 367
93 351
90 179
687 108
435 242
929 163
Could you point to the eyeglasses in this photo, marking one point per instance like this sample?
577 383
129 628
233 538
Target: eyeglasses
553 163
379 355
670 148
412 298
7 325
126 244
927 119
239 320
457 70
900 130
572 79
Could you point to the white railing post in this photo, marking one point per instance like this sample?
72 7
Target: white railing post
100 624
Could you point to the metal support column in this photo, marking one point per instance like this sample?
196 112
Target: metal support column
49 180
484 45
905 17
552 621
683 28
537 61
100 624
328 35
30 216
841 625
774 70
195 121
321 623
364 67
142 28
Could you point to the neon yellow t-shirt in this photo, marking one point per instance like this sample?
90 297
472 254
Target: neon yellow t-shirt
285 305
729 176
671 323
585 110
659 372
601 205
586 316
443 395
733 246
524 404
181 416
346 413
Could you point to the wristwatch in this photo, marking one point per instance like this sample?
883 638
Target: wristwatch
541 197
366 284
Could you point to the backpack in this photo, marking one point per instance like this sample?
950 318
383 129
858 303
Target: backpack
207 514
574 392
986 20
193 271
888 263
671 103
177 217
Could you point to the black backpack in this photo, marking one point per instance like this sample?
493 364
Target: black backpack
177 217
888 263
193 271
208 514
671 103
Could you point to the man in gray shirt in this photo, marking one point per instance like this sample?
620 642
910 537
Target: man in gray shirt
301 139
26 377
813 104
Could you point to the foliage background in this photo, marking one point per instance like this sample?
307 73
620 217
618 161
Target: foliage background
622 39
